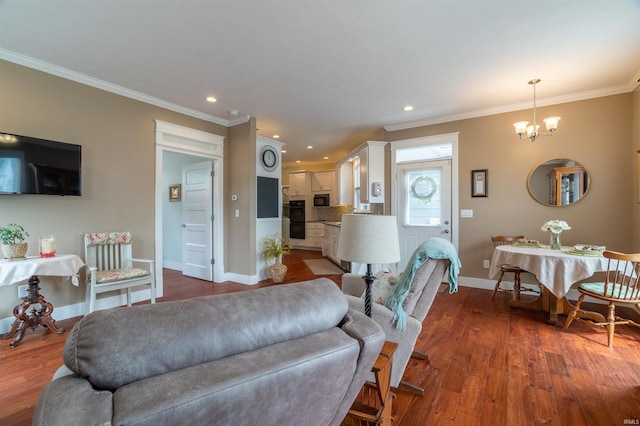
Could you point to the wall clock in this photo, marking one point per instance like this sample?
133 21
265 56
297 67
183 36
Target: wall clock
269 158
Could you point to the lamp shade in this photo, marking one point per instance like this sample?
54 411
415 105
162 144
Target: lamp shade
366 238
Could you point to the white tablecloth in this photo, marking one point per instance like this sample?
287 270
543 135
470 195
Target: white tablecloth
15 271
555 269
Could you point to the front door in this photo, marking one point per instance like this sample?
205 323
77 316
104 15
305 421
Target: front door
197 235
424 204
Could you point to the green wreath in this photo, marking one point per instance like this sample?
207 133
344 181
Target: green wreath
426 196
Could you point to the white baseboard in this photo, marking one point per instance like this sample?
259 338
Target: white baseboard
78 309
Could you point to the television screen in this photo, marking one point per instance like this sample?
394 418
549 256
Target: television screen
39 166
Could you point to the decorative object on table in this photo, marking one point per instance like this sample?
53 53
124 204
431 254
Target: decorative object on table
13 238
175 192
621 285
479 184
109 258
532 131
274 248
48 246
587 250
504 240
526 242
555 227
370 239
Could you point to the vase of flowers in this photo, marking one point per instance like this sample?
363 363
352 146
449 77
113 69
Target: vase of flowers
275 247
555 227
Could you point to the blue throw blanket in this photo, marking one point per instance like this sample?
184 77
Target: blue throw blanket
434 248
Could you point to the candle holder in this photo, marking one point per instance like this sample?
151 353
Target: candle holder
48 246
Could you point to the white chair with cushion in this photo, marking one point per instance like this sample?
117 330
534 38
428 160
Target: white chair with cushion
421 280
108 256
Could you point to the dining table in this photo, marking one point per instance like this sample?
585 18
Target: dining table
555 270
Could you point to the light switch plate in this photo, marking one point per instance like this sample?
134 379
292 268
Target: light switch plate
466 213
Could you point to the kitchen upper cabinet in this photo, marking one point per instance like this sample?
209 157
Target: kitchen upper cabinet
297 185
345 183
371 157
322 181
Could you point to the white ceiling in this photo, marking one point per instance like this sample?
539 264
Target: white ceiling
328 73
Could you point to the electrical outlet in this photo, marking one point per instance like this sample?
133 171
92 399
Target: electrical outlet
22 291
486 264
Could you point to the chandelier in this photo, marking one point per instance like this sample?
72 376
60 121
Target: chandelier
532 131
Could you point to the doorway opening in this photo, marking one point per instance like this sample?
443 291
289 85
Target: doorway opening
424 194
192 146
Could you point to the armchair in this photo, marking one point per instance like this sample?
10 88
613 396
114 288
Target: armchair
108 256
424 286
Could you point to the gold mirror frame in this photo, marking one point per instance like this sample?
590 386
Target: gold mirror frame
558 182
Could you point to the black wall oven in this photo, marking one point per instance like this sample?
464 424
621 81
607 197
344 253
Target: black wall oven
296 217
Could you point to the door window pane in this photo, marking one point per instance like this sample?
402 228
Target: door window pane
423 207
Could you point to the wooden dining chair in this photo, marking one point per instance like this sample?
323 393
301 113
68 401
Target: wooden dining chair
501 240
621 285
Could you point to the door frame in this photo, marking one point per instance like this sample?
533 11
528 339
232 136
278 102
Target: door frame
451 138
184 140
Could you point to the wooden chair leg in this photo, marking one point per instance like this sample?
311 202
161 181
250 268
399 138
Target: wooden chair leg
497 286
516 286
574 312
407 387
420 355
611 324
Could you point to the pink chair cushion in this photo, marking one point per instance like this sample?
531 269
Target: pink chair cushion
114 275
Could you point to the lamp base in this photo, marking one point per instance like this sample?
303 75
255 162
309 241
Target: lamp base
368 278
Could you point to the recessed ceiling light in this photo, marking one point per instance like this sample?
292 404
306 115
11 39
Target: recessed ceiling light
309 147
276 136
408 108
326 157
211 99
297 161
284 151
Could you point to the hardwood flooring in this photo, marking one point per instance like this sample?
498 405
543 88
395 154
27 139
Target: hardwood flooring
489 364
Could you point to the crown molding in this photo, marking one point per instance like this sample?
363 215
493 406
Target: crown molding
614 90
48 68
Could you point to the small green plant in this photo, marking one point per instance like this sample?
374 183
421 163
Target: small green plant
12 234
275 247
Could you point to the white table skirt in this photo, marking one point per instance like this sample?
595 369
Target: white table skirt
15 271
555 269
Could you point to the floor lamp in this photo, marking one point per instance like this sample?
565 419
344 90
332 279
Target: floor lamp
370 239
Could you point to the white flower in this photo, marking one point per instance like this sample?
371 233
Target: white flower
556 226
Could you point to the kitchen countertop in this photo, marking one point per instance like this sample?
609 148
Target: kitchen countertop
332 223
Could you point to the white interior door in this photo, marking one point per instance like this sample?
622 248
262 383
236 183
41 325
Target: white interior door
197 235
424 204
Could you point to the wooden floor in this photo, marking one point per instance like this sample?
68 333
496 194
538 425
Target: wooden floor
490 364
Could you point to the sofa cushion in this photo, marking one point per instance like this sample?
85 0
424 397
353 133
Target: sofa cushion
250 388
118 346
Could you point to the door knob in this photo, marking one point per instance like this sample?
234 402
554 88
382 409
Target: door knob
446 231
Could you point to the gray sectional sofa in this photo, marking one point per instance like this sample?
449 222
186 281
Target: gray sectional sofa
292 354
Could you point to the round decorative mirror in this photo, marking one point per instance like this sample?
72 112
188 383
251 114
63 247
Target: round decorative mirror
558 182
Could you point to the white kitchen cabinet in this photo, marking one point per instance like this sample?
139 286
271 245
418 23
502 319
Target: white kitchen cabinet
372 171
314 232
330 242
322 181
297 185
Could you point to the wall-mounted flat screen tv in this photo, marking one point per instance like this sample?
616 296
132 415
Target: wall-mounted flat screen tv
39 166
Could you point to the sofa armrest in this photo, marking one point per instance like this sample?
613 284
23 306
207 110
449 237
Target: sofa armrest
353 284
73 398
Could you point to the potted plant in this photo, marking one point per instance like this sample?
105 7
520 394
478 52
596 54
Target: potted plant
274 248
13 238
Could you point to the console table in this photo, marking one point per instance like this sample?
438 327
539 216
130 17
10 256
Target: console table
15 271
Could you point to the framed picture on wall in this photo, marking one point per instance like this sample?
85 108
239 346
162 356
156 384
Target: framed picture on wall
175 192
479 186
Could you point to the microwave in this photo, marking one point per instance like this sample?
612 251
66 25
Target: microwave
322 200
